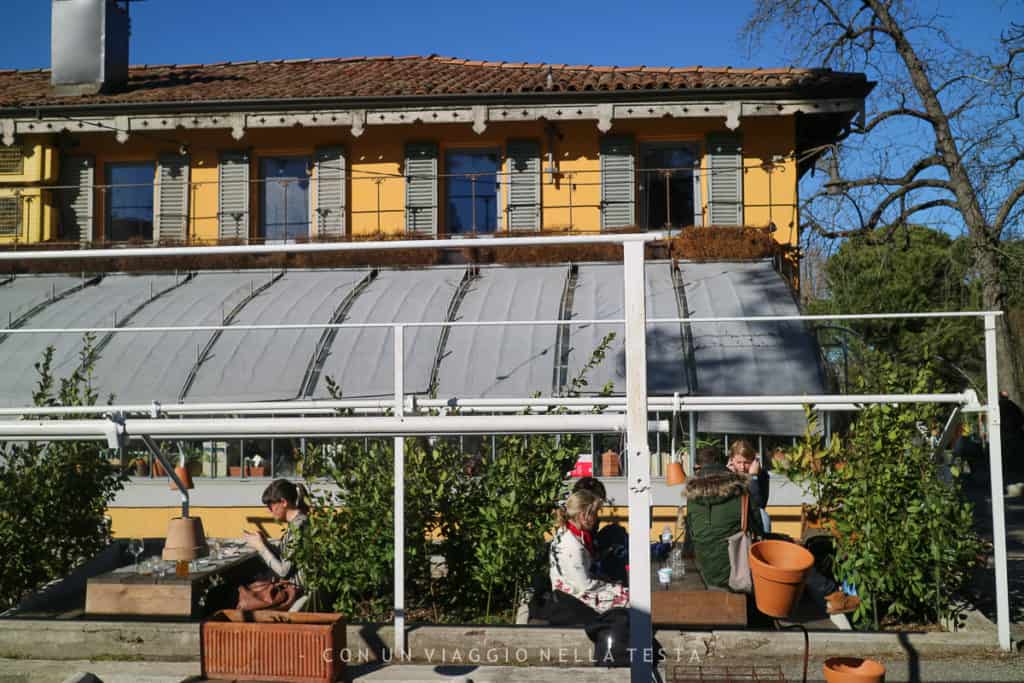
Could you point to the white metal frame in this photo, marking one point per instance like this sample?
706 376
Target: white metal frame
634 422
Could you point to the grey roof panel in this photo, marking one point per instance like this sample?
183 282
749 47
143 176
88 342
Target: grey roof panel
599 294
749 358
266 365
143 367
93 306
25 292
361 361
503 360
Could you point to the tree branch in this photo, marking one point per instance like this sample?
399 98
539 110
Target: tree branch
910 175
1006 208
900 111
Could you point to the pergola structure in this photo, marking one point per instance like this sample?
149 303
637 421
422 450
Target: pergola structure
630 415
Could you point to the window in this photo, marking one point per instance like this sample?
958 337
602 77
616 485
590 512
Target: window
284 199
472 191
10 216
12 161
669 188
130 201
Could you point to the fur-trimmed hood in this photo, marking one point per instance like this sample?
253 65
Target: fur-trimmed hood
717 485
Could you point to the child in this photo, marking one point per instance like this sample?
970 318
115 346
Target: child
743 460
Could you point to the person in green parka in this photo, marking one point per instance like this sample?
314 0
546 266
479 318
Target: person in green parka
714 499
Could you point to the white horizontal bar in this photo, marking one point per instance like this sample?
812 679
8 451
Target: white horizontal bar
42 430
685 403
321 247
169 329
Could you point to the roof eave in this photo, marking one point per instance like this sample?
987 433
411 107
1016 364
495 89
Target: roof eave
860 90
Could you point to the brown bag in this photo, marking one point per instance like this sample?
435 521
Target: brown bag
739 554
268 595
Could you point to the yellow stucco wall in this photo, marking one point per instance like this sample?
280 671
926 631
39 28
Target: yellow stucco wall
376 188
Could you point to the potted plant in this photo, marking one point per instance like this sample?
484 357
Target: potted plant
140 466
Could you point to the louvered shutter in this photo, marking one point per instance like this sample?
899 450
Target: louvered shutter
725 180
233 208
172 197
75 198
618 182
524 185
421 188
330 191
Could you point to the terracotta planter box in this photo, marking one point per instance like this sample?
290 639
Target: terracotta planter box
236 471
273 646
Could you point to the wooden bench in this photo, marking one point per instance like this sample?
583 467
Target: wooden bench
686 601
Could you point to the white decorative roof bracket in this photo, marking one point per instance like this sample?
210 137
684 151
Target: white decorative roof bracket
479 119
237 126
358 122
605 114
123 127
732 115
7 131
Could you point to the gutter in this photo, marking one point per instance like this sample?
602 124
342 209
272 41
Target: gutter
532 98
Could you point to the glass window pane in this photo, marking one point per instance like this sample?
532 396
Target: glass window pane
285 198
666 178
472 191
130 201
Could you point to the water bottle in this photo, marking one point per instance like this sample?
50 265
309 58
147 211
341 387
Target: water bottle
666 545
677 561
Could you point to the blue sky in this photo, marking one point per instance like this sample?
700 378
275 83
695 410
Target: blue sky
680 33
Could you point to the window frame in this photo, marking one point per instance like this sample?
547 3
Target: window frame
259 225
499 202
643 212
108 197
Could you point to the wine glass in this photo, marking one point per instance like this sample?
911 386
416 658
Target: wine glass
135 548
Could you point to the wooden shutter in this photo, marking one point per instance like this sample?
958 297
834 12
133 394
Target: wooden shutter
523 185
618 182
421 188
725 180
330 191
233 208
172 195
75 198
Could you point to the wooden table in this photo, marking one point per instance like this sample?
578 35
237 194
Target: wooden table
686 601
125 592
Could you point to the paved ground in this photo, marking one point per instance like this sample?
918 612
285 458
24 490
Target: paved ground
983 593
984 669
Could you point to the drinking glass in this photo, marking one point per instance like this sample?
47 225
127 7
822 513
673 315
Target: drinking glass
135 548
215 549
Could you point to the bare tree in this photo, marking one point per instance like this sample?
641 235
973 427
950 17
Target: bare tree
942 140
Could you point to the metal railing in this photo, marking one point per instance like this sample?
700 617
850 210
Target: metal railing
568 201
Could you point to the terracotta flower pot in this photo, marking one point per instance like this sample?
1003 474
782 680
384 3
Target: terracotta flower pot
158 469
853 670
610 464
674 474
778 569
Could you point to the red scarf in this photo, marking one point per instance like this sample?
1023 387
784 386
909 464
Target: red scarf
586 537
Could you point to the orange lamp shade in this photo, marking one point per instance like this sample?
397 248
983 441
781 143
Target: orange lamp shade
674 475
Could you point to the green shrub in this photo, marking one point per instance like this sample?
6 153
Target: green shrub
486 516
53 497
904 536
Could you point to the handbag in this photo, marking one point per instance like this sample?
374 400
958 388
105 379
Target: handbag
739 554
275 595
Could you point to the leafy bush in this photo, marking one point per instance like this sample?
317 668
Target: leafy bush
53 497
903 536
486 514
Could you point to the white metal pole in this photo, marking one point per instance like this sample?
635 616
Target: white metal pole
639 463
693 444
995 461
399 344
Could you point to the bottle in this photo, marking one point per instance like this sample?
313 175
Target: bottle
677 561
666 545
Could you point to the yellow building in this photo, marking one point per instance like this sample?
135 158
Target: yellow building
362 148
356 148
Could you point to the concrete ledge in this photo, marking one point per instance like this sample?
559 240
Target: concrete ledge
516 645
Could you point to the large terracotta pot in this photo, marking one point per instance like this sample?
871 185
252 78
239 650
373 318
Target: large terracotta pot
273 646
853 670
778 569
674 475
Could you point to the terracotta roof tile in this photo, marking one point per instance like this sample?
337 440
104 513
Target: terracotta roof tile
412 76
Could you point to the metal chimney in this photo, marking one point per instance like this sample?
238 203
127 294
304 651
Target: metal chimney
88 46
